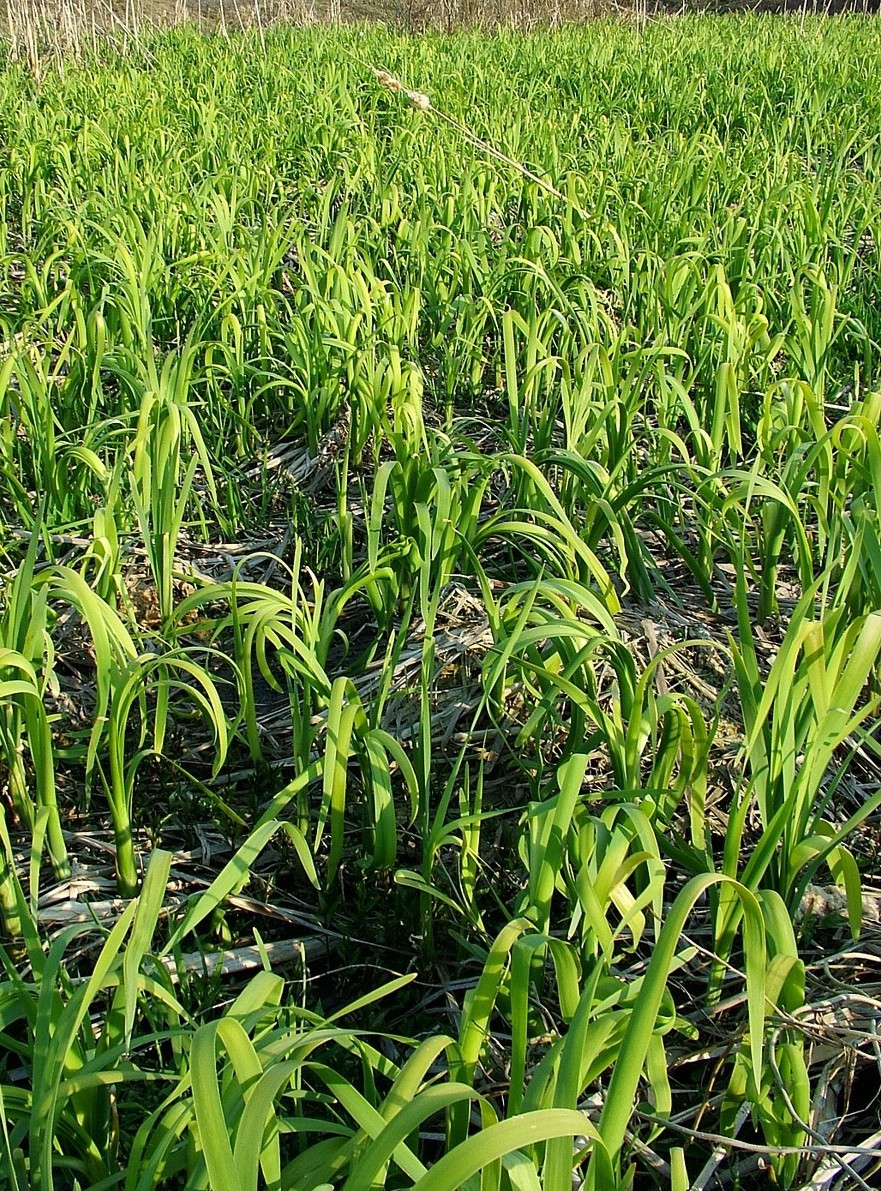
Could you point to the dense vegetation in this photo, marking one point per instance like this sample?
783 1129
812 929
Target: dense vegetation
441 610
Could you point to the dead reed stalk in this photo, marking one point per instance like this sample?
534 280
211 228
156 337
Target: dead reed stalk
50 33
422 103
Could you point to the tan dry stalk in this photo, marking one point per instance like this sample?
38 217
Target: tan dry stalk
44 31
289 12
22 35
422 102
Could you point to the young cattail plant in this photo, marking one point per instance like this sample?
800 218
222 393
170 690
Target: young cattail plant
26 663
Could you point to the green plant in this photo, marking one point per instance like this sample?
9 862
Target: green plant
457 513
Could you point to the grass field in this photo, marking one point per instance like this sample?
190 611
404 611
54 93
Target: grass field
441 610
